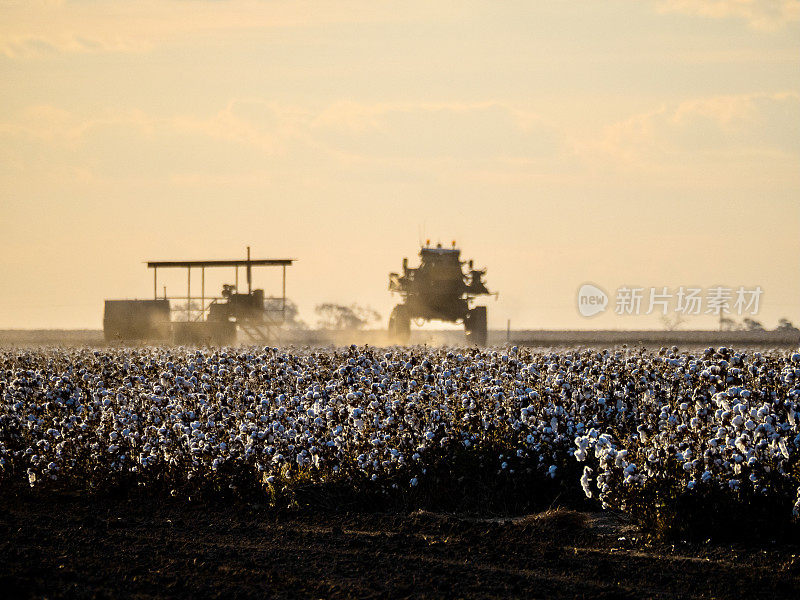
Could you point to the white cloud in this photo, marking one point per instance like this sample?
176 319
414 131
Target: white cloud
251 136
63 128
762 14
726 130
250 142
33 45
40 28
471 131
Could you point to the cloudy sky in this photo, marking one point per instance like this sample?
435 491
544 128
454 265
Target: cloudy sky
619 142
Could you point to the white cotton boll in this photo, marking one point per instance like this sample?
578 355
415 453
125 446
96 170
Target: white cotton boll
783 448
750 425
413 482
586 481
552 471
737 420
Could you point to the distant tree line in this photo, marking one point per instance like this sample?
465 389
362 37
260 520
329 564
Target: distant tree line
748 324
338 316
329 315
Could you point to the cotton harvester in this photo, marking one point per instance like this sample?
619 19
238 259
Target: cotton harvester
439 289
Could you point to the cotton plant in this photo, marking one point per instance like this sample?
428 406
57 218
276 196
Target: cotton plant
608 422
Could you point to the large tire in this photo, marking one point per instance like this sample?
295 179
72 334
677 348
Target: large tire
475 326
400 324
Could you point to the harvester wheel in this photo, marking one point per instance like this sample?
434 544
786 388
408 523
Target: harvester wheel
475 326
400 324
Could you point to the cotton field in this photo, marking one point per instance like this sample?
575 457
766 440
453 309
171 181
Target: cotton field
632 428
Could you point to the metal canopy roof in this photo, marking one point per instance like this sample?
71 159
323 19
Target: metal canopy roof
255 262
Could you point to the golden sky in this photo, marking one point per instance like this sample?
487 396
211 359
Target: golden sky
619 142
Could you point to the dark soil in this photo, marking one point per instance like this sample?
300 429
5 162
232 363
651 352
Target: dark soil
72 546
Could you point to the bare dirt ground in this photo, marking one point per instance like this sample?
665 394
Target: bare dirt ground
70 546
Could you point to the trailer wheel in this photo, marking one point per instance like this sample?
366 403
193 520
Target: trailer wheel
400 324
475 326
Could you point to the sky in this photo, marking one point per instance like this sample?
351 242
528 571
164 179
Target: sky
623 143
